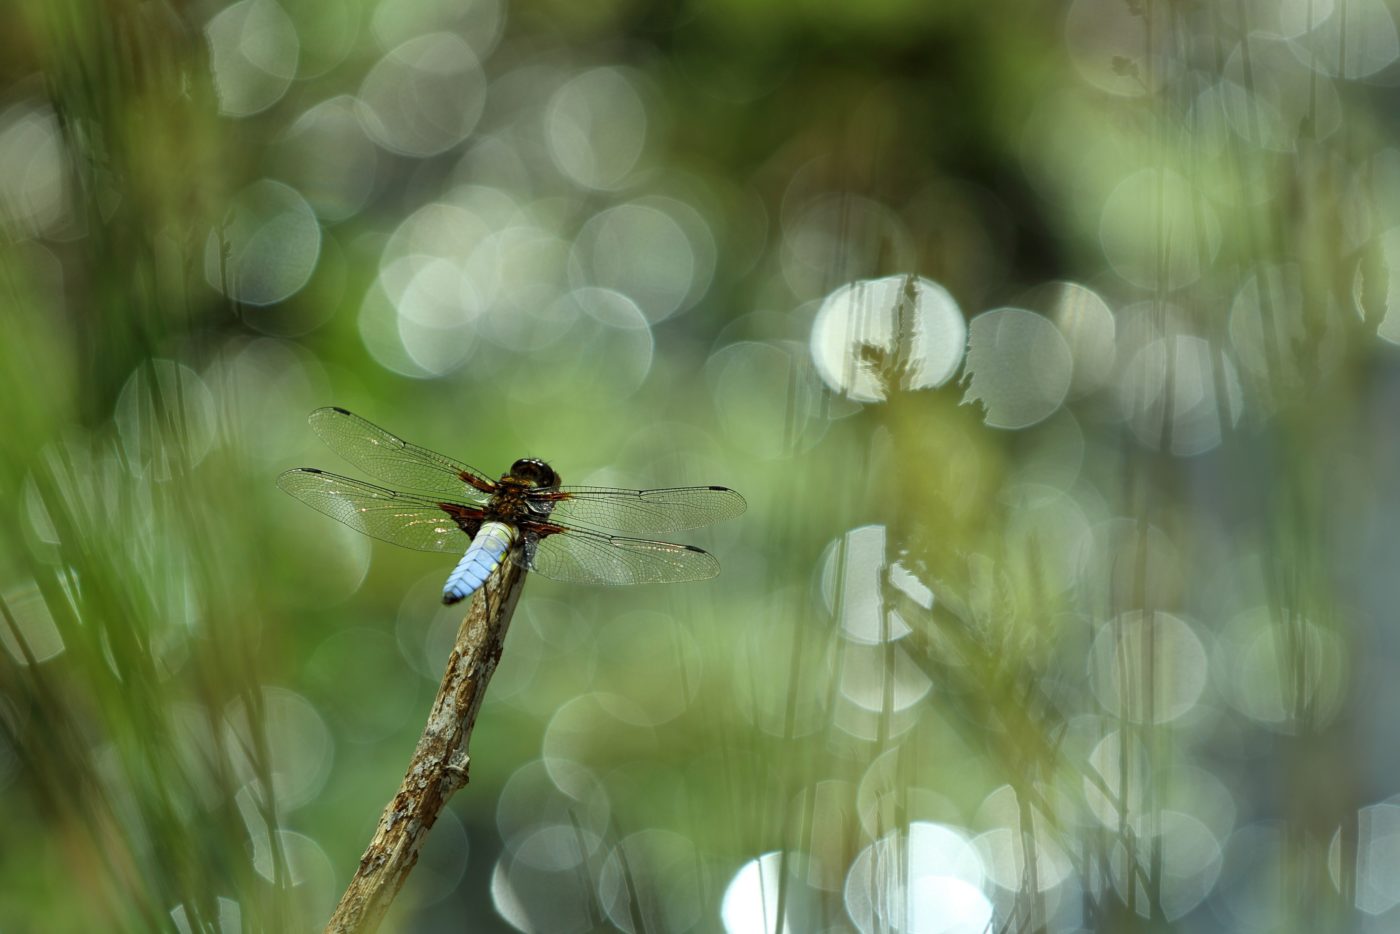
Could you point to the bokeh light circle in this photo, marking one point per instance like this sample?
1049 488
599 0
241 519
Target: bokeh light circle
1158 231
478 23
750 902
767 397
1273 667
253 50
1086 323
1148 667
267 247
165 417
658 252
1190 861
34 183
425 96
326 156
1018 367
1003 847
596 126
1377 869
1111 45
926 880
878 336
648 883
31 637
294 738
1357 39
1271 100
1184 377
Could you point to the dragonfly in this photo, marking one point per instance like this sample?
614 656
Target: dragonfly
567 533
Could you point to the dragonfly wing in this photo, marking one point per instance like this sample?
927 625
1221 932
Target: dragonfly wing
645 512
587 557
400 518
394 460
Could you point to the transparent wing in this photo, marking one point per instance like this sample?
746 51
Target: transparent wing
590 558
647 512
394 460
400 518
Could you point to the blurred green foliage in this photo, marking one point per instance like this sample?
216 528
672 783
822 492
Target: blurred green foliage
1076 618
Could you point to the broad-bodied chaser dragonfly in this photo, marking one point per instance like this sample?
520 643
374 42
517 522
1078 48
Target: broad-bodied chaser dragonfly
561 532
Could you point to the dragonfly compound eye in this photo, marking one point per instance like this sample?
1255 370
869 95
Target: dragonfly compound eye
536 471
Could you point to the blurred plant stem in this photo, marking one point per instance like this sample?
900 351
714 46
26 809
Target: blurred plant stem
131 91
439 764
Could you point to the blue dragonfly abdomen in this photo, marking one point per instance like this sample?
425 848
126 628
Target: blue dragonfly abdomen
488 549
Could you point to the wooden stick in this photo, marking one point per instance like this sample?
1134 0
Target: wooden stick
439 764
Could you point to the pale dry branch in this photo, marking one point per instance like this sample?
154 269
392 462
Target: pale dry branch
439 764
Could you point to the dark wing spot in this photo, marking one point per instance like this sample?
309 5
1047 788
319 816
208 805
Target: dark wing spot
311 470
541 529
336 408
467 519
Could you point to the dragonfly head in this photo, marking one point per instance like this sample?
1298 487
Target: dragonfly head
535 471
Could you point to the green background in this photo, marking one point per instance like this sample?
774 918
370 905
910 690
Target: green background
1078 617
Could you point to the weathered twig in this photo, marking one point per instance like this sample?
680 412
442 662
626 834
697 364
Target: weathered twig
439 764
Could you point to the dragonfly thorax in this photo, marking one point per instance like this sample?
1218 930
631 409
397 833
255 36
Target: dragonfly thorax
534 471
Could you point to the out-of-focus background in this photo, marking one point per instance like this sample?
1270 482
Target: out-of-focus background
1052 345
